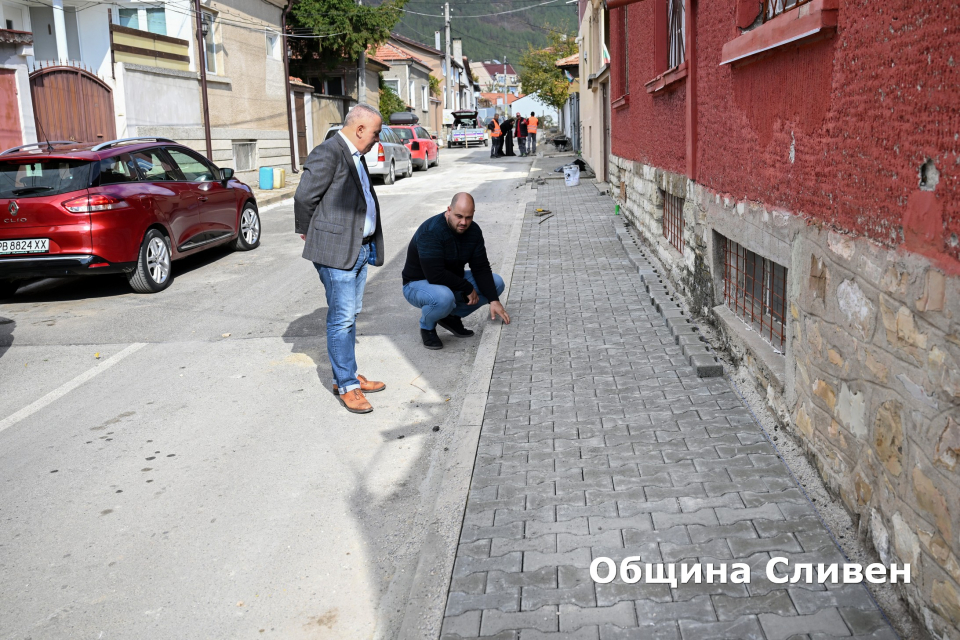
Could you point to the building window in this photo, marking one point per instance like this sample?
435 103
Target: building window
393 85
773 8
209 41
153 20
755 289
673 220
129 18
677 32
412 94
273 45
619 72
425 97
245 155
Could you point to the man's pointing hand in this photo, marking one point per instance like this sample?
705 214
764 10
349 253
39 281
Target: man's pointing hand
496 309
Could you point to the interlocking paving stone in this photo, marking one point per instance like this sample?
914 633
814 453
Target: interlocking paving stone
600 440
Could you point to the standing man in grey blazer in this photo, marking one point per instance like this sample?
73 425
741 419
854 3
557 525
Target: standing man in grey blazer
337 214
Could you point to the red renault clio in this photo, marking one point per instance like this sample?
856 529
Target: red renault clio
128 206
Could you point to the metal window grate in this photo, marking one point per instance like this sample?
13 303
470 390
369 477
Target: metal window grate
773 8
245 155
673 220
755 289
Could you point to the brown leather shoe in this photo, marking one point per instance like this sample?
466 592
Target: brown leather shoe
355 402
367 386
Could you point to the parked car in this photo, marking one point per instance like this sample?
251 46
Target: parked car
388 159
129 206
423 147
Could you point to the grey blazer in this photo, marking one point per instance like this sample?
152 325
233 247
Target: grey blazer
330 209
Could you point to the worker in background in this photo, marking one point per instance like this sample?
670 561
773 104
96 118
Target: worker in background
521 134
496 138
507 127
532 123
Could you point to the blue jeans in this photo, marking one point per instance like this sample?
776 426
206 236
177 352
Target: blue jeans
437 301
522 142
532 142
344 289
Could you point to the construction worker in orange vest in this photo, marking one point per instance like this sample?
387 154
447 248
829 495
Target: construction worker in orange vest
496 138
532 122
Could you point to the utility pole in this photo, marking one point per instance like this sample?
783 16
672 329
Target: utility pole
505 86
449 77
362 73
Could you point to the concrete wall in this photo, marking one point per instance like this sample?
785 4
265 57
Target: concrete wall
327 111
155 97
869 380
591 102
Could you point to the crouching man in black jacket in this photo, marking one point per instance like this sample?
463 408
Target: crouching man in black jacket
434 279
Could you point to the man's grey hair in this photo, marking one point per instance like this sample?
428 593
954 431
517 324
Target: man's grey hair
358 112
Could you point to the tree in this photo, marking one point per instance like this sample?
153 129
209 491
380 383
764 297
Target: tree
351 27
390 102
540 74
434 85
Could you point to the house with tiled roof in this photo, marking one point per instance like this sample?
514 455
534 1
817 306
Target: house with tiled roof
409 78
491 75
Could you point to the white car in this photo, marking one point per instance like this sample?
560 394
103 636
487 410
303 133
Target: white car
389 158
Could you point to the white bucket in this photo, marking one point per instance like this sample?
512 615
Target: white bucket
571 175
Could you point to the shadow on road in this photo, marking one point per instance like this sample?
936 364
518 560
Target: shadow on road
110 285
7 325
386 518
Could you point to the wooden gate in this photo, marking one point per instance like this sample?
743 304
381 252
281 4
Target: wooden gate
71 103
9 110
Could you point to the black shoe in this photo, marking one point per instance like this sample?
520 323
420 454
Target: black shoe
430 339
454 324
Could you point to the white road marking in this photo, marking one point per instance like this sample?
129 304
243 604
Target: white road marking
67 387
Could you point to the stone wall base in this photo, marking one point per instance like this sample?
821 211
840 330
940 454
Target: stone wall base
868 376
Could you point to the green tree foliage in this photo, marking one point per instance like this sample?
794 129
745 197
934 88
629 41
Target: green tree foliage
539 72
351 27
390 102
435 85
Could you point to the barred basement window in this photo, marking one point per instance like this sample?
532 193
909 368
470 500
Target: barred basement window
773 8
673 220
755 289
245 155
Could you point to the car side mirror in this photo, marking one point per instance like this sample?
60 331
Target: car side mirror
226 175
434 136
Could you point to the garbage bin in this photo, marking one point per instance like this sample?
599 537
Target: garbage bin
571 175
266 178
279 178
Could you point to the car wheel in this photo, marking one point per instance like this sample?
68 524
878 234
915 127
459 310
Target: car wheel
391 176
486 143
153 266
248 236
8 288
436 162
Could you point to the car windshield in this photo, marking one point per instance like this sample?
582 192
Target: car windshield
31 178
404 134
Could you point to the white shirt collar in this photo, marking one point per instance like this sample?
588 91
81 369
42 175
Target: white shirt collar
353 149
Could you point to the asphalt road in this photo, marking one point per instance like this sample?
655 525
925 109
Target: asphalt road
175 466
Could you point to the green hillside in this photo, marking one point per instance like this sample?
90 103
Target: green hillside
491 37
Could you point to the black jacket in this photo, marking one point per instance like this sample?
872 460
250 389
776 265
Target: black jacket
437 254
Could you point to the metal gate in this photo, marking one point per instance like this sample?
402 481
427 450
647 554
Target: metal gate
71 103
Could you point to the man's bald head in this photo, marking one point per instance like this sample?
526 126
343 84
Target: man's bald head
459 214
463 199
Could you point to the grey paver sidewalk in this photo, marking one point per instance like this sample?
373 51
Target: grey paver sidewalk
599 440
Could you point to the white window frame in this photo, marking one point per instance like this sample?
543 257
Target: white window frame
425 97
273 41
394 84
211 19
142 22
412 93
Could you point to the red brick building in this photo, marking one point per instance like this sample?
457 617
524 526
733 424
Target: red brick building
796 170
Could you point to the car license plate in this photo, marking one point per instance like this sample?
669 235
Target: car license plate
31 245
